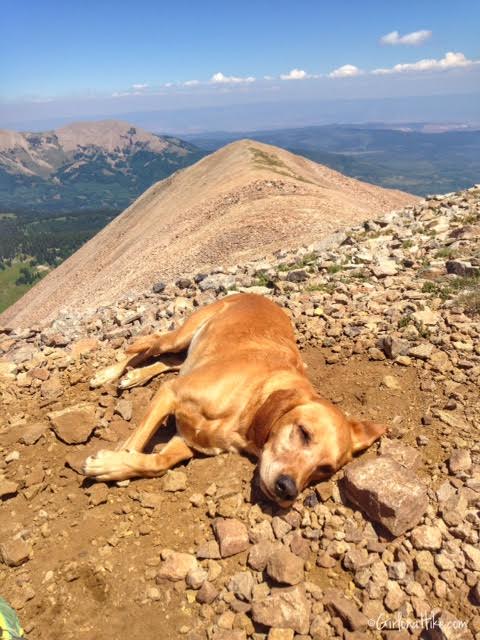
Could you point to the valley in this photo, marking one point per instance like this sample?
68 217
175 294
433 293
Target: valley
12 286
40 243
59 188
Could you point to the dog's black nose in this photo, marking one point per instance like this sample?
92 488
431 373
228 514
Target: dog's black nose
286 488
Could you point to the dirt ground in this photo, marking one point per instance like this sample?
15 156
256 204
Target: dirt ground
92 564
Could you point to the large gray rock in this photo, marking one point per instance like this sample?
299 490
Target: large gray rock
386 492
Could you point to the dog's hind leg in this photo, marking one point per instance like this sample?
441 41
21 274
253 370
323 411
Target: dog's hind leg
136 377
178 340
156 344
116 370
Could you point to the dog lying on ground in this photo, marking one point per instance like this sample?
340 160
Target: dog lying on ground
241 388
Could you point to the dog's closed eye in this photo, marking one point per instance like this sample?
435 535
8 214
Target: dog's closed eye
325 470
305 435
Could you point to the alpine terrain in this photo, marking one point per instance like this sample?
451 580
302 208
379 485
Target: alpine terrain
244 200
388 320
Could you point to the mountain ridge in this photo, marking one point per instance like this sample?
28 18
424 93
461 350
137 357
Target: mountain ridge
245 199
411 158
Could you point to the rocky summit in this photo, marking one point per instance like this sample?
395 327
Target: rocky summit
387 315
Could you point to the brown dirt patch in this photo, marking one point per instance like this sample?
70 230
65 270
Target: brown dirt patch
115 547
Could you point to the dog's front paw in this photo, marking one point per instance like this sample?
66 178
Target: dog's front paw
108 465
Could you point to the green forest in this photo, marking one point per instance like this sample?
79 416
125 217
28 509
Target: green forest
31 244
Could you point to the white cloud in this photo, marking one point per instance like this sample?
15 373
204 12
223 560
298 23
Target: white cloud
220 78
451 60
139 86
412 39
295 74
347 71
191 83
268 77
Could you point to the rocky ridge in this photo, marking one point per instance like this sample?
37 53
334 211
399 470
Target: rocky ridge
387 315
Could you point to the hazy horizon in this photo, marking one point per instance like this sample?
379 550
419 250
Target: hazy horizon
234 118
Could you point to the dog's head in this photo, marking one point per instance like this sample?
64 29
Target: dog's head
302 438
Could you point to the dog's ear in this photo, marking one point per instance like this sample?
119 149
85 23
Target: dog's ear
364 433
275 406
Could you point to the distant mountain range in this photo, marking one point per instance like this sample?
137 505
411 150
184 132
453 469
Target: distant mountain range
101 165
407 157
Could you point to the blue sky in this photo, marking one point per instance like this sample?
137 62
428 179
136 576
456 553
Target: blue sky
80 58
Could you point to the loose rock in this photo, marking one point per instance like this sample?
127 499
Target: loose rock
285 567
232 536
74 424
177 565
285 608
15 552
386 492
